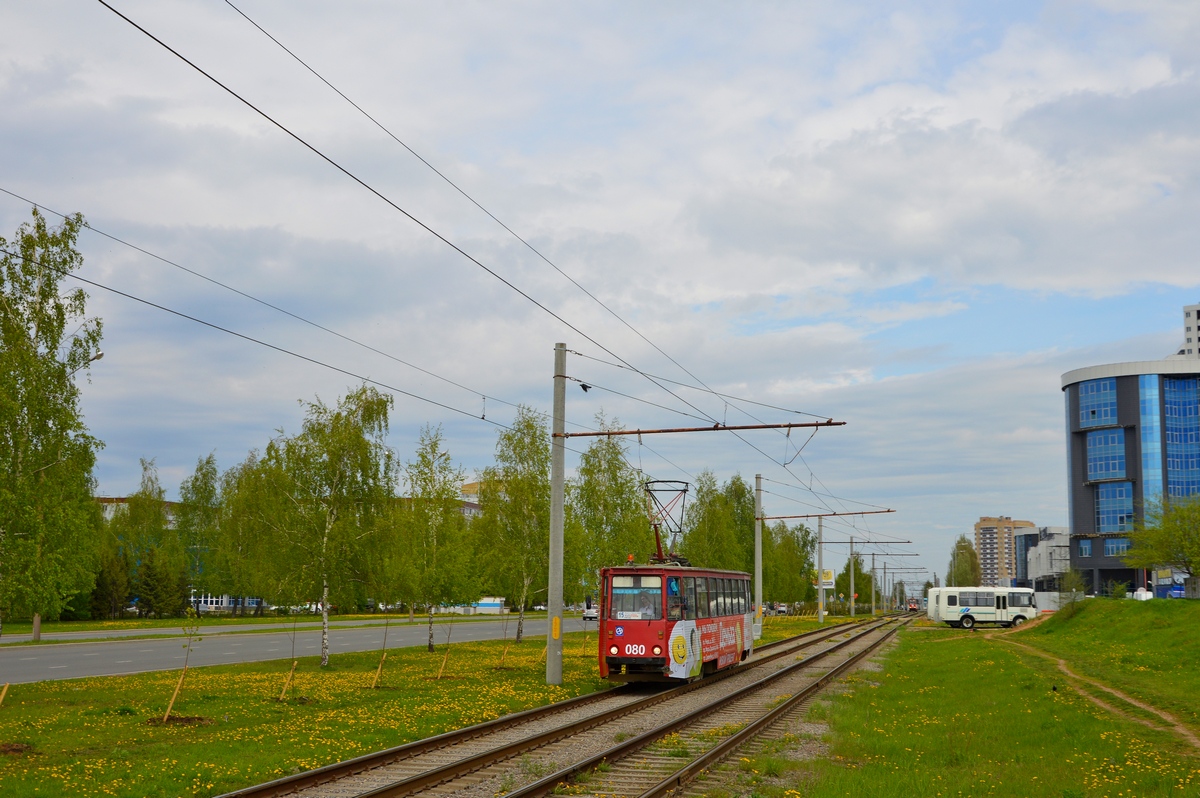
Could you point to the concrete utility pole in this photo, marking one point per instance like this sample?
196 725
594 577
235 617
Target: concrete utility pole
872 584
820 570
852 576
758 599
821 549
554 599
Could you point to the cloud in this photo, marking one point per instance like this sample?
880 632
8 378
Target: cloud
913 220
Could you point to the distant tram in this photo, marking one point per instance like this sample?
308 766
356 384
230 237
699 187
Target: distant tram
668 621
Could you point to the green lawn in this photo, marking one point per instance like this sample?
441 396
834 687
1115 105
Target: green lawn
100 737
1149 649
956 713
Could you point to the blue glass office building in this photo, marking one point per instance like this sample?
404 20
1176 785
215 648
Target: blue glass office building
1133 433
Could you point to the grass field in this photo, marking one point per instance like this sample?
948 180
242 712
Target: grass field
101 737
959 713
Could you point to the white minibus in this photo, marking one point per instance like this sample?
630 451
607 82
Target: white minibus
963 607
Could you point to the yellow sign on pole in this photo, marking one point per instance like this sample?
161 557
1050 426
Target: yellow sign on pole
556 627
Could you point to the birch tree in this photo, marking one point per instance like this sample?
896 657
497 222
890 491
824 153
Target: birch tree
607 507
48 519
435 527
514 497
328 488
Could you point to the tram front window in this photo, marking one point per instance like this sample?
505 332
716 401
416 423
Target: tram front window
636 597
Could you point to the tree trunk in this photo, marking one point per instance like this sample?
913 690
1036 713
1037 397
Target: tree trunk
431 627
324 622
521 611
37 627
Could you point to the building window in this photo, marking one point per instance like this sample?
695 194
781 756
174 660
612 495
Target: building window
1085 547
1114 506
1150 429
1115 547
1098 403
1106 454
1181 434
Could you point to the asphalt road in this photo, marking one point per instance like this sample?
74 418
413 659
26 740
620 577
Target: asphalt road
22 664
306 624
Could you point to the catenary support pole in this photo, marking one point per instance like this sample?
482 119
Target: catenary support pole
885 593
820 570
872 573
758 598
852 569
554 602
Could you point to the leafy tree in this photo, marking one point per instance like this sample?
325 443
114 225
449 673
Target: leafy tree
514 499
789 570
114 580
196 522
436 527
47 516
161 586
712 535
606 508
242 557
862 579
1168 535
963 568
1072 588
142 530
326 490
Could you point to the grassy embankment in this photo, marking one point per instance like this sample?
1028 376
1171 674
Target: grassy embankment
101 736
960 713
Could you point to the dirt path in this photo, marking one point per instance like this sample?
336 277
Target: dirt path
1073 678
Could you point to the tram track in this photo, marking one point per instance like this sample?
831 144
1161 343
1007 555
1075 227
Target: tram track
665 758
498 755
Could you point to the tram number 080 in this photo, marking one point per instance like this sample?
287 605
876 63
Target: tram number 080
635 650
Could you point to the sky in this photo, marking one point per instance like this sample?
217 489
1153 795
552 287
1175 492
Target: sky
911 218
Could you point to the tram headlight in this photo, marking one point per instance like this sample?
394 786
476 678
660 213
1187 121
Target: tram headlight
657 650
613 650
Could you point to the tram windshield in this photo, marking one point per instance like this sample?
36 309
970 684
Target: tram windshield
636 597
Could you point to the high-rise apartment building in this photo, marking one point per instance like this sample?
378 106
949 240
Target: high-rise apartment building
1133 436
994 545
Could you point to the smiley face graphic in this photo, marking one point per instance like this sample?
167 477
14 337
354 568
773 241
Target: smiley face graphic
679 649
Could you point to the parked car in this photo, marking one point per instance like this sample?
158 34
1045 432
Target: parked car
592 613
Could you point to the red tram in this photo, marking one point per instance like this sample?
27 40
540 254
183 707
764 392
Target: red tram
667 621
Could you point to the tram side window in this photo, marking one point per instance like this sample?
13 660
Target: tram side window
744 604
714 598
689 598
674 599
701 597
636 597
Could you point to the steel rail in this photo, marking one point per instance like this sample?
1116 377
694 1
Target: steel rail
547 784
287 785
500 753
757 727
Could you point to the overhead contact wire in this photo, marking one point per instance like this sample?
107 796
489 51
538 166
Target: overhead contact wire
380 195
